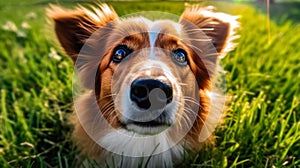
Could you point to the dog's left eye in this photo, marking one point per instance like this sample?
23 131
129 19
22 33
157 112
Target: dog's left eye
180 56
120 53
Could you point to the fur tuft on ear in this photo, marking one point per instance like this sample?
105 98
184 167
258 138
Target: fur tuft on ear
73 27
219 27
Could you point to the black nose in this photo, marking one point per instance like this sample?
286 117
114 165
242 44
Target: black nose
152 93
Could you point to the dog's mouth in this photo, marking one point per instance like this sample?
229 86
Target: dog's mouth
148 124
147 127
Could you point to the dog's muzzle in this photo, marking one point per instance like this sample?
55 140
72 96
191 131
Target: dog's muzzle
150 94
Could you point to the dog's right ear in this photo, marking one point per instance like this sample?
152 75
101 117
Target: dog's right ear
73 27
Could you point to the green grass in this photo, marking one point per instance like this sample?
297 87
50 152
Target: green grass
262 125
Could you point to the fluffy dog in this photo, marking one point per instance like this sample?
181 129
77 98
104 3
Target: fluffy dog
149 85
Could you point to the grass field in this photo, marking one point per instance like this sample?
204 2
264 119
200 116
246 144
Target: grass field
262 125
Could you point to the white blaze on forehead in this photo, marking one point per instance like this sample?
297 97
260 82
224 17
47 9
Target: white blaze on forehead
153 32
152 36
162 26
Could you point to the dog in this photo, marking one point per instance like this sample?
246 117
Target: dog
149 85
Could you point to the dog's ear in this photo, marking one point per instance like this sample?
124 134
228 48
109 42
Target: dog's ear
73 27
219 27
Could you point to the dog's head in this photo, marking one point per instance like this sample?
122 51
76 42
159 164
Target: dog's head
148 76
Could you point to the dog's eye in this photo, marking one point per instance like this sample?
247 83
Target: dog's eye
120 53
180 56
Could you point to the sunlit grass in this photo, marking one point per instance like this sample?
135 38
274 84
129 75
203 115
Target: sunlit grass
261 128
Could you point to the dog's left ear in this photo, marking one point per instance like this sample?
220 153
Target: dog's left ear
74 27
219 27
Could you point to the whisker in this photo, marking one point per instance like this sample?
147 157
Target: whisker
192 100
106 96
195 48
202 29
203 122
183 119
183 84
200 40
107 104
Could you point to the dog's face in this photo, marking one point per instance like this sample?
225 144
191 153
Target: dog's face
149 75
150 72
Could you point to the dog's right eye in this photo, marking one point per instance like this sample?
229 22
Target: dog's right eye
120 53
